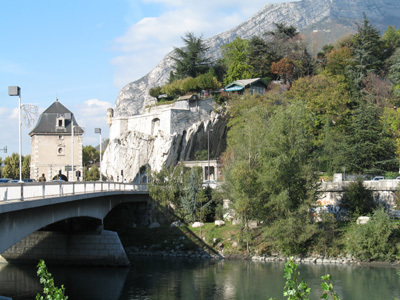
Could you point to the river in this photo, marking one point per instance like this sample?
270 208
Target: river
157 278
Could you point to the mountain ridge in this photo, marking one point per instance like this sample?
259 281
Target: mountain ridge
339 17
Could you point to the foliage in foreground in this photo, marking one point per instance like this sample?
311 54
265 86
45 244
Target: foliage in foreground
298 290
49 289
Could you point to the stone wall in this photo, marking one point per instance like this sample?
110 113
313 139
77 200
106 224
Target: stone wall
331 193
100 248
162 136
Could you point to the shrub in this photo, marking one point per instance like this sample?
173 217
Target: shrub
371 241
358 200
291 235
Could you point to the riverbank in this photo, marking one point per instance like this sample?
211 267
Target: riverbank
222 242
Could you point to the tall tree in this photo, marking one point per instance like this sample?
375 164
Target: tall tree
391 39
367 53
370 147
260 57
193 198
394 72
90 155
26 167
287 177
11 166
242 160
190 61
235 56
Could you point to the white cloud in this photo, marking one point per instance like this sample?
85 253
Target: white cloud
146 42
90 115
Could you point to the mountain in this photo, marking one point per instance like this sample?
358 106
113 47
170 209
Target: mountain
320 21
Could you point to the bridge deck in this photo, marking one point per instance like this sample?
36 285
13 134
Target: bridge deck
42 190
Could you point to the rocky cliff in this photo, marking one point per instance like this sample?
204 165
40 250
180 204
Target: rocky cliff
163 136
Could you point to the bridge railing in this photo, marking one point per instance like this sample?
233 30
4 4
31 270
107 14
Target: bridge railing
25 191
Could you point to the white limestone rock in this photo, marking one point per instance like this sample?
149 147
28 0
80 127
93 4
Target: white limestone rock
362 220
154 225
219 223
197 224
176 224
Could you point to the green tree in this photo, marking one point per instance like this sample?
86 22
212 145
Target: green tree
367 53
90 155
338 61
91 174
288 175
247 126
357 199
155 92
166 187
327 98
193 200
235 57
391 39
260 57
11 166
26 166
369 147
394 72
190 61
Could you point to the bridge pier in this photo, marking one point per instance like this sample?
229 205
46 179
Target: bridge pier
102 248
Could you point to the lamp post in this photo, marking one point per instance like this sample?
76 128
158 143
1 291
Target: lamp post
98 130
208 154
16 91
72 148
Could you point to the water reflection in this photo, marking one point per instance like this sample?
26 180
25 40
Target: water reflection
182 279
20 282
156 278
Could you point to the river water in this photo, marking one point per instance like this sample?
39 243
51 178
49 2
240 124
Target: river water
158 278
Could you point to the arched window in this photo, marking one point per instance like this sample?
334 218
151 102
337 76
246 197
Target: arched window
155 126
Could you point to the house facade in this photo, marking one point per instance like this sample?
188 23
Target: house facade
56 145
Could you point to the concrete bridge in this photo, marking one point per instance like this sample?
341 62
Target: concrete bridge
28 207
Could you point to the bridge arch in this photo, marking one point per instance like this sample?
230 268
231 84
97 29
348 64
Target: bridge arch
18 224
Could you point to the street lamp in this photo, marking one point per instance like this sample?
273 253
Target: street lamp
208 154
16 91
98 130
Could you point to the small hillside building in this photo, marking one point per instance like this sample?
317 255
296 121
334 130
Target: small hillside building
254 85
56 145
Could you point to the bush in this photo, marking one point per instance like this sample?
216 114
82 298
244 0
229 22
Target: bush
291 235
358 200
371 241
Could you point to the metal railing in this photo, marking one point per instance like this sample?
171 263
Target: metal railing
40 190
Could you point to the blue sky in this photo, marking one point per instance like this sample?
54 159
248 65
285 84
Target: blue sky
84 51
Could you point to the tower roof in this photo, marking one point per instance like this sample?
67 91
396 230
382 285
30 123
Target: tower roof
47 123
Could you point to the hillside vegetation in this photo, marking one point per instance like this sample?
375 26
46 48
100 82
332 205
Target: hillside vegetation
337 111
